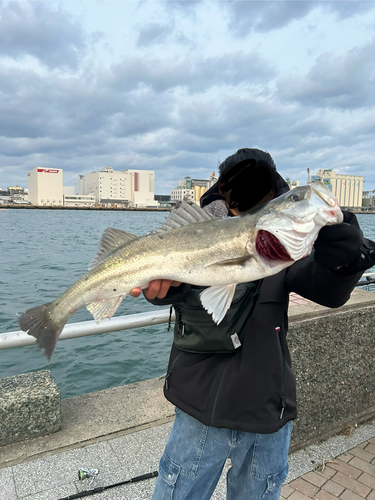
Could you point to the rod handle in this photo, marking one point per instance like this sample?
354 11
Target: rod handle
149 475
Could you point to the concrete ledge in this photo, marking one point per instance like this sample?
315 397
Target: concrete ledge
29 406
95 417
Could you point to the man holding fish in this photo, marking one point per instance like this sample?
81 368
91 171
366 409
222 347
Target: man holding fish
229 374
227 269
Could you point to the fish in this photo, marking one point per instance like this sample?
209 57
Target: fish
192 247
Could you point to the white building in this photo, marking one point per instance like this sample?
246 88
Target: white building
348 189
143 183
79 200
45 186
192 189
133 188
181 193
68 190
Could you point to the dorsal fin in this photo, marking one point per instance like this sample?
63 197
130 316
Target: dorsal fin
183 216
112 239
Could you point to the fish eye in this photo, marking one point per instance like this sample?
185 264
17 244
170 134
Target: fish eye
295 197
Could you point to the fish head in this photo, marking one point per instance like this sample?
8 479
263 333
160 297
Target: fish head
287 226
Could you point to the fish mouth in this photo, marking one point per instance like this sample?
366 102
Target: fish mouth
270 247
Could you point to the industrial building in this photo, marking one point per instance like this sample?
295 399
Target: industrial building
368 200
134 188
76 200
45 186
191 190
292 184
183 193
348 189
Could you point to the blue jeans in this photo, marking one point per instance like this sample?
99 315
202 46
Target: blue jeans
195 455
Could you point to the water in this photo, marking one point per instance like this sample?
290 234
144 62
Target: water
42 252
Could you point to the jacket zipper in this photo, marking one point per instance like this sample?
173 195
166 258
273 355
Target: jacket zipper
169 372
282 356
255 298
217 393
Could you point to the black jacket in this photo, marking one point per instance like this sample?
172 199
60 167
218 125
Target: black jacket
252 389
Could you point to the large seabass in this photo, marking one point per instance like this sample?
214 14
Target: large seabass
192 247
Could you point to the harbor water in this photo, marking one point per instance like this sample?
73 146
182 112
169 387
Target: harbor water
42 252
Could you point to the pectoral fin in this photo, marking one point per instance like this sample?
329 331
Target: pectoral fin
238 261
217 300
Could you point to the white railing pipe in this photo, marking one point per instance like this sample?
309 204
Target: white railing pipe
20 338
74 330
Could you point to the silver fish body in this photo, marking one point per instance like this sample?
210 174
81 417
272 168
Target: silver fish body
192 247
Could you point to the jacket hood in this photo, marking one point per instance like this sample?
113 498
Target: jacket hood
279 184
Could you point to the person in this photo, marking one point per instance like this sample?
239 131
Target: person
240 405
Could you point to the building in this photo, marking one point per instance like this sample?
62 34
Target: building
14 195
292 184
183 192
79 200
68 190
368 200
133 188
45 186
13 190
4 198
348 189
143 188
191 190
164 200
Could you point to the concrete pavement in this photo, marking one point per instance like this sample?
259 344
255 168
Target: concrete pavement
341 467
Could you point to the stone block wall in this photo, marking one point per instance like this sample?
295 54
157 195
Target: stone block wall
333 359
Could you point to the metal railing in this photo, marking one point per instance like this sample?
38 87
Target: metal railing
20 338
367 280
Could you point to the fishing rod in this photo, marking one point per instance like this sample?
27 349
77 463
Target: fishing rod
99 489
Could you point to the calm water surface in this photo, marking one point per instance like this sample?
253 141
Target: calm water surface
42 252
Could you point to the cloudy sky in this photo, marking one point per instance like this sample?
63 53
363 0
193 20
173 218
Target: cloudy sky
177 86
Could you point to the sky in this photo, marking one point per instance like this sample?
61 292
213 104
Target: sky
177 86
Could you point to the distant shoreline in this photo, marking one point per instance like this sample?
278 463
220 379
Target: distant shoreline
118 209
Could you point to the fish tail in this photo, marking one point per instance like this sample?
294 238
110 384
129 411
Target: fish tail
39 323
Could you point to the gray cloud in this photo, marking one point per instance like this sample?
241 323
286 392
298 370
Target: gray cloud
336 81
348 8
157 33
37 29
154 33
198 74
177 116
246 17
264 16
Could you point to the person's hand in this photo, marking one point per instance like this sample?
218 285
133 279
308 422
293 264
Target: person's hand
157 289
338 245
